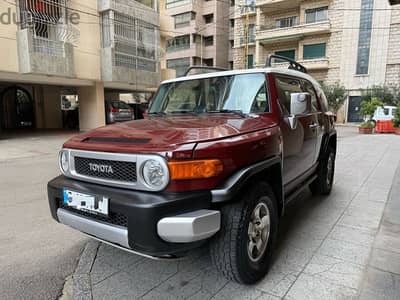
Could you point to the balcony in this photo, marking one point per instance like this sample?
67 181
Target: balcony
193 51
310 64
176 7
269 6
131 8
42 55
129 69
277 35
247 10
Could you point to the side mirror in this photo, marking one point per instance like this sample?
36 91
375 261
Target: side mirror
300 104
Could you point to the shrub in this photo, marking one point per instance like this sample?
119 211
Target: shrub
367 124
396 120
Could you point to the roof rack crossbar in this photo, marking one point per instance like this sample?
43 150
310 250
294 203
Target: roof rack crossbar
293 65
203 68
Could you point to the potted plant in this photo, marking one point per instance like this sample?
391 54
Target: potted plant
368 108
396 120
366 127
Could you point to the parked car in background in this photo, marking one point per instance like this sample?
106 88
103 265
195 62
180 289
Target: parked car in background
385 113
118 111
139 109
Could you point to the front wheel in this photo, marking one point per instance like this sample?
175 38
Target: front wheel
242 249
326 173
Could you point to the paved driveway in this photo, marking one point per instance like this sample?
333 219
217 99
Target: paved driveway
36 253
324 248
323 252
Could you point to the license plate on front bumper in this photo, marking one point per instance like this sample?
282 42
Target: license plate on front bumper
89 203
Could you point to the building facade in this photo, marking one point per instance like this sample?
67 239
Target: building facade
201 34
58 52
352 42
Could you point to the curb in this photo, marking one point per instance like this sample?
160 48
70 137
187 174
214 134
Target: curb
78 285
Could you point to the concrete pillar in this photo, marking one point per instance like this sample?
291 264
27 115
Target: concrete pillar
91 106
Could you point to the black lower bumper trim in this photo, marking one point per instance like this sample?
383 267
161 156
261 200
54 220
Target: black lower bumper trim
143 211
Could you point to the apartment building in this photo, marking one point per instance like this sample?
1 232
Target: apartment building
58 53
354 42
201 34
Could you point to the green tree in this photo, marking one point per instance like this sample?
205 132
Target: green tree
335 94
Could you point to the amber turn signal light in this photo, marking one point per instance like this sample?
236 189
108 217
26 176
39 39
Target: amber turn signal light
195 169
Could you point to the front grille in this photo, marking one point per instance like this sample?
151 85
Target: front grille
121 170
113 218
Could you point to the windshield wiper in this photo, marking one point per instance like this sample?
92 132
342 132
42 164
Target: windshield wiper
231 111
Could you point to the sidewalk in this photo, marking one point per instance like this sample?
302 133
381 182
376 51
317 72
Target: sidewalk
382 280
329 248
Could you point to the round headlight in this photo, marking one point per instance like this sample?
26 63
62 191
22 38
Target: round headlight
64 161
154 174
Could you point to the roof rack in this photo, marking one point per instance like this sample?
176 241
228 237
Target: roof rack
203 68
293 65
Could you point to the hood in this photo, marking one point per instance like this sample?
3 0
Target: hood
165 133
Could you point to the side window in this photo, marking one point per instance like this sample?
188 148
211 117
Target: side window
386 111
261 103
285 87
308 88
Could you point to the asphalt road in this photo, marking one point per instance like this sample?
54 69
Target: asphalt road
36 253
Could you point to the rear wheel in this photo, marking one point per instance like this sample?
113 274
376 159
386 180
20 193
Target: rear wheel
242 249
326 174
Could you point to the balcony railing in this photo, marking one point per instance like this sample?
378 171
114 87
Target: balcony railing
131 8
271 34
310 64
45 40
247 9
250 40
130 50
277 5
177 48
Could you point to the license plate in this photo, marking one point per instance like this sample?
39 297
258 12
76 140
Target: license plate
89 203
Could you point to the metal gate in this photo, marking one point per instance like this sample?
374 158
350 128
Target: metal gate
354 110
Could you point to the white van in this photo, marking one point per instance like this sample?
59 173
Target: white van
384 113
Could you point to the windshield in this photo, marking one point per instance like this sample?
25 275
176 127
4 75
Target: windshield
245 93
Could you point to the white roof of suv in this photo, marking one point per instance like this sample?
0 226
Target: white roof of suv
282 71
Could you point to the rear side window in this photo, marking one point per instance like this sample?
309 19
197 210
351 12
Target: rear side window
261 103
119 105
308 88
285 87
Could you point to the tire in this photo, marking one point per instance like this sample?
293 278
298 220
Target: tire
229 249
326 174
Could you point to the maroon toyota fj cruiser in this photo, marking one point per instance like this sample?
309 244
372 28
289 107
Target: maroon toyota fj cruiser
216 160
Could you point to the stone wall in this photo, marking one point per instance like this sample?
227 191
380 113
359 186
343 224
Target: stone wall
393 63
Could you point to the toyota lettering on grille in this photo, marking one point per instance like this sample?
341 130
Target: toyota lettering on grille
101 168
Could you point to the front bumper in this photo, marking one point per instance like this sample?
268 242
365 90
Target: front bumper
155 224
